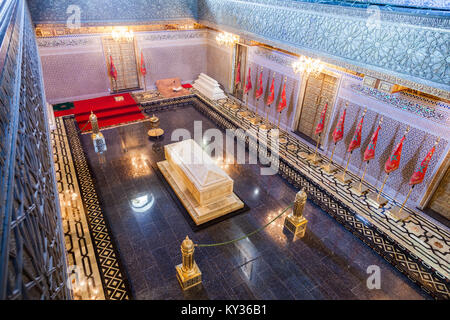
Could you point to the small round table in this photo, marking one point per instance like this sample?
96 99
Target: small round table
155 131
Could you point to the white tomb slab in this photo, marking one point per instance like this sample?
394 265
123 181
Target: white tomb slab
205 190
209 87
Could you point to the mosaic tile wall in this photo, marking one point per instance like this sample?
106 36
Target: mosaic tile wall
173 54
418 142
184 53
75 67
219 64
413 55
420 139
292 89
392 4
73 76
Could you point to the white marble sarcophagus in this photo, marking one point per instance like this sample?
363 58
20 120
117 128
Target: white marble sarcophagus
209 87
205 190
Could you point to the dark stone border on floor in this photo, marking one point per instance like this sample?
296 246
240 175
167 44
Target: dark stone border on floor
421 274
113 275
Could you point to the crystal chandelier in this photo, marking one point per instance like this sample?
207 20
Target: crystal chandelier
119 34
227 39
308 65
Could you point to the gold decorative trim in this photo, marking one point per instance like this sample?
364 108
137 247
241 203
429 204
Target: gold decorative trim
57 30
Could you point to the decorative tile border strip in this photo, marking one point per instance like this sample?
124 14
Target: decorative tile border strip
112 273
354 213
78 242
424 110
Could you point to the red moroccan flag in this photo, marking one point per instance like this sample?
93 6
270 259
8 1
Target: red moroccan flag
112 69
356 141
248 86
238 74
418 176
393 162
259 92
369 154
321 123
143 68
271 96
282 103
338 132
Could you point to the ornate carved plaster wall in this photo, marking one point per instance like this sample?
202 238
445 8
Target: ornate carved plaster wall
410 50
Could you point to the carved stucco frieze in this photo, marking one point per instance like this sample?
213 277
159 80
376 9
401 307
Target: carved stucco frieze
413 56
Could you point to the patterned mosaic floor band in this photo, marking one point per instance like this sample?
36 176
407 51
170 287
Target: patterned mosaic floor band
81 258
407 245
113 277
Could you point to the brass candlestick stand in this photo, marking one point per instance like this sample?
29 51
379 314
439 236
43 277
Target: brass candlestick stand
188 273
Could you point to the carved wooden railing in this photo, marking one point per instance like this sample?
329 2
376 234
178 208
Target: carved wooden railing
32 254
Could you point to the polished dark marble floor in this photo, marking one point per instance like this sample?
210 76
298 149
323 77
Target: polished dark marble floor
328 263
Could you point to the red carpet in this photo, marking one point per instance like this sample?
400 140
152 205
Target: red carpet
109 112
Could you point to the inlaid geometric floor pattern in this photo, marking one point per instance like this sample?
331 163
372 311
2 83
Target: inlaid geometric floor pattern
113 278
81 259
417 247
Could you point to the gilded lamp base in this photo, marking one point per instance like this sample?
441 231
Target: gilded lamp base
378 202
359 189
296 225
234 107
191 279
398 214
